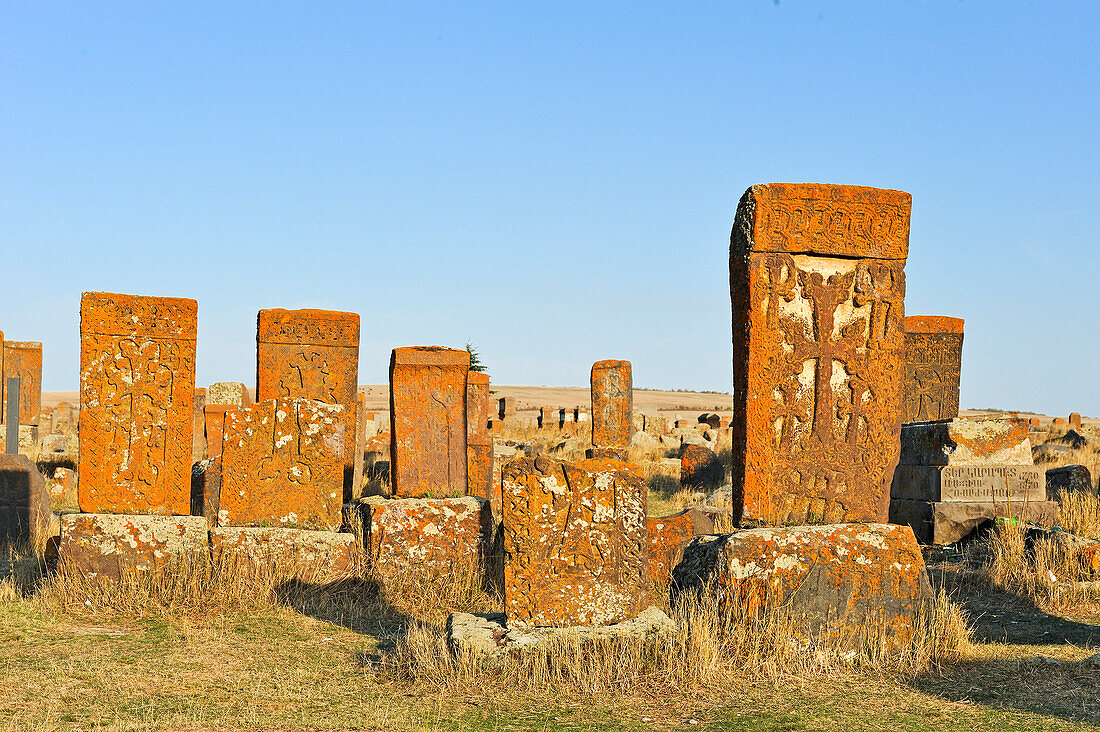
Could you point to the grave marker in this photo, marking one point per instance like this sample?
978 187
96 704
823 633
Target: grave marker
612 407
933 360
23 360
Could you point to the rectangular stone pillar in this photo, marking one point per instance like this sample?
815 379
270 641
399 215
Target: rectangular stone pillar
137 382
612 408
479 443
428 421
817 284
198 425
311 354
933 360
23 361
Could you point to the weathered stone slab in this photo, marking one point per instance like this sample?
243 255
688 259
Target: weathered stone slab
479 443
700 468
311 354
214 417
1069 479
206 489
108 546
23 360
969 483
24 502
506 407
198 425
428 421
817 284
282 465
489 637
315 556
1075 421
425 536
947 523
228 393
575 538
933 362
966 442
838 580
668 535
137 381
612 404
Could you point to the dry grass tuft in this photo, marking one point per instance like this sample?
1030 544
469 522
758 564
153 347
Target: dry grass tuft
712 645
1079 513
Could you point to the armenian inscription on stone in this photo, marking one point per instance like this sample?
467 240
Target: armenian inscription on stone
137 381
817 285
311 354
933 360
576 542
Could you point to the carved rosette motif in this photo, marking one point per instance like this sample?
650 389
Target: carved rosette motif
137 357
818 353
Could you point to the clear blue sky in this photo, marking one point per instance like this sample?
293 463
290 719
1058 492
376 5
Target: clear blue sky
552 181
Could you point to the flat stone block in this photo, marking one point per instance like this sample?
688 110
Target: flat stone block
946 523
24 502
969 483
1069 478
668 535
488 636
311 555
966 442
427 536
101 545
835 578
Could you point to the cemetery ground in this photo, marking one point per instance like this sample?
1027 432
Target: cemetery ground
216 647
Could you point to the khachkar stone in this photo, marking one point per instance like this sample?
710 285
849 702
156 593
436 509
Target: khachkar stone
311 354
23 361
817 284
576 542
612 408
282 465
479 443
228 393
933 359
137 382
428 421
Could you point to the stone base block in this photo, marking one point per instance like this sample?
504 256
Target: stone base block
1070 479
425 536
489 637
840 580
668 535
966 442
109 545
946 523
315 556
969 483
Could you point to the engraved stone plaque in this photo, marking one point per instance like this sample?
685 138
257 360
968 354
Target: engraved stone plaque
933 359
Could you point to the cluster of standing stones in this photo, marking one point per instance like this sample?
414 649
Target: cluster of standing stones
845 439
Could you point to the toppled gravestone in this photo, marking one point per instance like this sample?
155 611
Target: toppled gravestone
668 535
839 581
109 546
700 468
1069 479
317 556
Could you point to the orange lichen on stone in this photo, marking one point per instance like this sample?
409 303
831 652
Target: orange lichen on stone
817 285
282 465
137 381
479 443
314 556
668 535
425 536
428 421
700 468
214 417
839 581
1075 420
575 540
933 364
23 360
108 546
311 354
232 393
612 404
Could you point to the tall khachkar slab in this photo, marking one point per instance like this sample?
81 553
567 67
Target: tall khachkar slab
612 407
137 382
23 361
428 421
282 465
933 360
479 443
576 542
817 284
312 354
